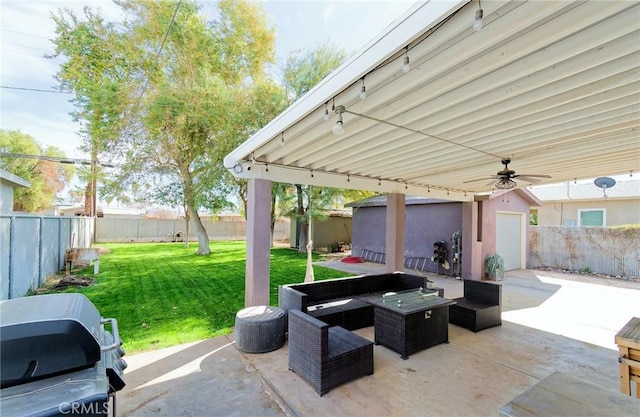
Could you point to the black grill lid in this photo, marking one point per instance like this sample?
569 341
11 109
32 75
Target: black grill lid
46 335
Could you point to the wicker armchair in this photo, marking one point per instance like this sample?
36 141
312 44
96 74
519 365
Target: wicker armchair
326 356
480 308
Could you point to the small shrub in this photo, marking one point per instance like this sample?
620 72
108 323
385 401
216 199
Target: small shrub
494 267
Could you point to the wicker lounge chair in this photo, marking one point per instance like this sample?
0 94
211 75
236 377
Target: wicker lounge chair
326 356
480 308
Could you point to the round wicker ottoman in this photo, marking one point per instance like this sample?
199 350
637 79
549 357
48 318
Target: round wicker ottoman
260 329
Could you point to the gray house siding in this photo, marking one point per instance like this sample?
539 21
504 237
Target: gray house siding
326 233
424 225
369 229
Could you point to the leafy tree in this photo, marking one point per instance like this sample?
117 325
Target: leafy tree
170 117
301 73
47 178
304 70
261 102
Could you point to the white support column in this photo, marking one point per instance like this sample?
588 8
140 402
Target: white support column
395 233
256 285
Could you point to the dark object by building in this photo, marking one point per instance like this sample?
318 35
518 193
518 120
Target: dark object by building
56 358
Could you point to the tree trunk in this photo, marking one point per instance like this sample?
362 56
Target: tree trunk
273 214
304 238
192 210
203 238
242 193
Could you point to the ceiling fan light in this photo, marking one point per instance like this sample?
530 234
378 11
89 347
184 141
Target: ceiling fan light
506 184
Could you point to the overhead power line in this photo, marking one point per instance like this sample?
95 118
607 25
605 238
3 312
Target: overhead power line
34 89
25 46
155 64
61 160
25 34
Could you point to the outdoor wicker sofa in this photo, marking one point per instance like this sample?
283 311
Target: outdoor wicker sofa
326 356
480 308
338 302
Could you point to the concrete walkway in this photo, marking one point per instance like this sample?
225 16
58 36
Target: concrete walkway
551 322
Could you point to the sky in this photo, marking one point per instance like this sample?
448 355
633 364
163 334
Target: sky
26 29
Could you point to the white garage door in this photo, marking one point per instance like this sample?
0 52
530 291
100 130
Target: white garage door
509 239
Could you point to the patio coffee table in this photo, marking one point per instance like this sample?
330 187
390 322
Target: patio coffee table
412 320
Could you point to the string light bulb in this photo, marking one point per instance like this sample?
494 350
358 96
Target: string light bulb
325 116
282 139
406 66
477 22
338 128
363 91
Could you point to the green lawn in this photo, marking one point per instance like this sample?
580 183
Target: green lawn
163 294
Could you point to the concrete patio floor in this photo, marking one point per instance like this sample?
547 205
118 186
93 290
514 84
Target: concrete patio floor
551 322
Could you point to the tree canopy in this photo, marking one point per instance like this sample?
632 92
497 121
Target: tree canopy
168 94
47 178
303 70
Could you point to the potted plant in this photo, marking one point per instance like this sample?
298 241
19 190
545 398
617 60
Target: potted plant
494 267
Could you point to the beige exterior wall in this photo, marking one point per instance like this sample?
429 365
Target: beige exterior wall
326 232
617 212
508 203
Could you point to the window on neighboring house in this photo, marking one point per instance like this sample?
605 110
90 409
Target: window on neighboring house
592 217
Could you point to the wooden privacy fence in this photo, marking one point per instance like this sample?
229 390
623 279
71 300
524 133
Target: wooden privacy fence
604 250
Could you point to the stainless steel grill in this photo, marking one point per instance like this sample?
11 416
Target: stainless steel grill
57 358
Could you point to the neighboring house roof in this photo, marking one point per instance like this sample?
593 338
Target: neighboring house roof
13 180
381 200
525 194
627 189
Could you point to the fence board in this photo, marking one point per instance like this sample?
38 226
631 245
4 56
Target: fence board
5 237
159 230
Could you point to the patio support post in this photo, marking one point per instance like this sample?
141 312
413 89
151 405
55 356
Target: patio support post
256 284
395 233
472 263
